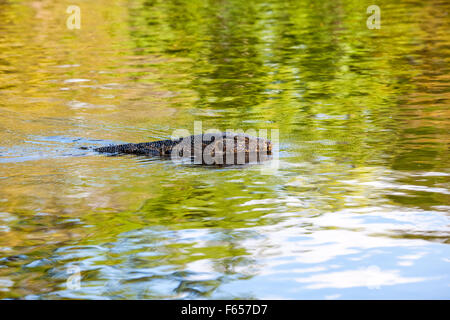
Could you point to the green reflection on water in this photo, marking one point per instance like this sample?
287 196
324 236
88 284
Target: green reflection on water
363 119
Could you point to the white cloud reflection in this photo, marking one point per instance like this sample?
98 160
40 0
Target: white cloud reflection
367 277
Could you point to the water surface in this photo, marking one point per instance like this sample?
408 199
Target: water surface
358 208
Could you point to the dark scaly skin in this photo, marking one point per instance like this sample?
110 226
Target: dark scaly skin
163 147
224 144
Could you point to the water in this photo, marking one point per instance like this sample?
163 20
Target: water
358 208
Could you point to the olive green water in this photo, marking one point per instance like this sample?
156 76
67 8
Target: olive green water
359 205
